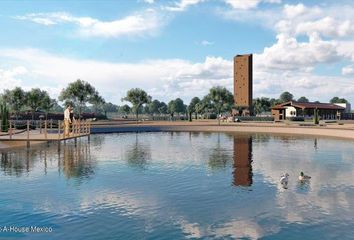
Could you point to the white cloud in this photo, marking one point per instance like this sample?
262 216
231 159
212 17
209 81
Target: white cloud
348 70
182 5
149 1
289 54
163 79
205 43
143 23
10 78
248 4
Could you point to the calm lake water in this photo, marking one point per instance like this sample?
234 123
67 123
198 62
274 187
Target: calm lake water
179 185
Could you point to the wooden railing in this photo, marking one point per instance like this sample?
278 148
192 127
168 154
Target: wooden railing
77 128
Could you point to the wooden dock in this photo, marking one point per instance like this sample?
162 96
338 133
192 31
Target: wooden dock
46 133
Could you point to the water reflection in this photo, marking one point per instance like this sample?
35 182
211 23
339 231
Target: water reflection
17 163
242 173
74 161
175 197
219 156
138 154
77 162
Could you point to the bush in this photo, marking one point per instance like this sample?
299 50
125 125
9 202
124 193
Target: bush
22 127
296 119
255 119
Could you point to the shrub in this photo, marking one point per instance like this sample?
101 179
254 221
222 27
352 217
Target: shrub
296 119
255 119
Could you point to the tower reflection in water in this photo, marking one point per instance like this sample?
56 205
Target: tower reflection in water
242 167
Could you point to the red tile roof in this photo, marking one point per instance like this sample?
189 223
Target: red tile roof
309 105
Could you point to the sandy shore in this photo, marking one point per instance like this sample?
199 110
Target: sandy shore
344 130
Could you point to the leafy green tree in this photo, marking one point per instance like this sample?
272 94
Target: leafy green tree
338 100
176 106
286 97
261 105
274 102
97 101
191 107
48 104
162 108
303 99
153 106
137 97
125 109
15 98
199 107
221 99
109 107
34 99
79 93
56 107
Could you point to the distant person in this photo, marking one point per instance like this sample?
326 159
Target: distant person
67 121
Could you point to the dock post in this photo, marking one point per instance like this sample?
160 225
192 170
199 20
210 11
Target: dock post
59 146
45 129
10 129
59 130
40 126
75 139
51 123
88 131
28 129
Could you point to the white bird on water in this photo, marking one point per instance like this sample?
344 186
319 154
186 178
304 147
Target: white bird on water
284 180
303 177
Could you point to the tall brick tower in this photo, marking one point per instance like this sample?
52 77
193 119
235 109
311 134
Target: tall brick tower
243 81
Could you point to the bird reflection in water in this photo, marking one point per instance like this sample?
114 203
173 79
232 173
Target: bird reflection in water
242 172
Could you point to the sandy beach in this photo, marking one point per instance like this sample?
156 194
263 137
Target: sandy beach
344 130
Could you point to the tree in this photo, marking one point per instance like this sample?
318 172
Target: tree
153 107
303 99
261 105
176 106
286 97
274 102
137 97
47 104
162 108
79 93
15 98
125 109
221 99
338 100
97 101
56 107
34 99
199 107
191 107
109 107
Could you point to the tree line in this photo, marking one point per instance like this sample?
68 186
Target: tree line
80 93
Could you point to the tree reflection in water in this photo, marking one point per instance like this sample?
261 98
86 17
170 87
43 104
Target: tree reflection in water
15 163
74 161
138 154
219 156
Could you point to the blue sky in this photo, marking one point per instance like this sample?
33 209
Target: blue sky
178 48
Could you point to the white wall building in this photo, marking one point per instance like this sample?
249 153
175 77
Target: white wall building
347 106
